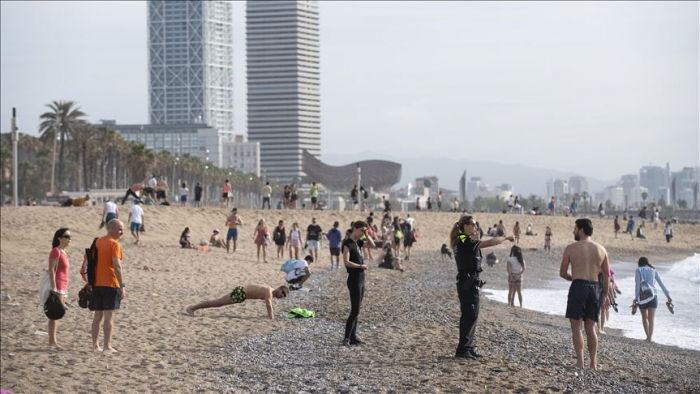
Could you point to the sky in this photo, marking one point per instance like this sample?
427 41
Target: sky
597 88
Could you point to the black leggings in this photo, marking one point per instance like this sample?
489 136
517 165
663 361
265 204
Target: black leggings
469 306
356 285
128 193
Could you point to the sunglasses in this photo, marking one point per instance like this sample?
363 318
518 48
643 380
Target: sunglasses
65 236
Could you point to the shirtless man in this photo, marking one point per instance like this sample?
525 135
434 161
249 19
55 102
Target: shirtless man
216 240
232 222
241 293
587 259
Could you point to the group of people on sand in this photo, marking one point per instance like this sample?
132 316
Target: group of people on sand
587 260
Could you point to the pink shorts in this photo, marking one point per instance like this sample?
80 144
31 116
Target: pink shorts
295 243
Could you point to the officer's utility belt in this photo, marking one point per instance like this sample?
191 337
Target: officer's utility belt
470 279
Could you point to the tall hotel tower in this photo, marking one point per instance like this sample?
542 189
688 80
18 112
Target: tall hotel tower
283 84
191 63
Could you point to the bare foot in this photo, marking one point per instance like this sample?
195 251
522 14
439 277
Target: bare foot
593 367
110 350
189 311
96 348
55 346
602 332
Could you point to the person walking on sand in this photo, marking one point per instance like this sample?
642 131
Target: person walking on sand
110 211
352 259
335 238
266 193
313 238
429 205
232 222
226 194
439 201
616 225
630 227
516 268
136 220
184 193
261 238
294 195
241 293
279 236
198 195
645 296
668 231
294 241
516 233
109 288
587 258
314 196
465 242
548 239
58 274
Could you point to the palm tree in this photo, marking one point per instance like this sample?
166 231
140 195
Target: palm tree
64 117
83 135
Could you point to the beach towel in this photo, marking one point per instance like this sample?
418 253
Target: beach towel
300 313
44 287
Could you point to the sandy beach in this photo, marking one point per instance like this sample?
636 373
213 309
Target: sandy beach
409 320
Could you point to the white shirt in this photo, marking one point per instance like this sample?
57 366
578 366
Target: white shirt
299 270
152 183
514 264
184 191
110 207
410 222
669 230
510 201
136 213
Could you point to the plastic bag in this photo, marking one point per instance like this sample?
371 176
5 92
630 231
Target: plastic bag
44 287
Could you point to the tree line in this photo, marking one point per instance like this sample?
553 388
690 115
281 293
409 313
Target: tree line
81 156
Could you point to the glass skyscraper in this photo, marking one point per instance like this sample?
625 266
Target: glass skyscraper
191 63
283 84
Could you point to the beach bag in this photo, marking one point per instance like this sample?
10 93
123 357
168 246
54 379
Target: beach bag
288 266
413 236
84 296
53 308
44 287
646 292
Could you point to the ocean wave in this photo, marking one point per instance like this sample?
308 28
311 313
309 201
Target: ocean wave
687 269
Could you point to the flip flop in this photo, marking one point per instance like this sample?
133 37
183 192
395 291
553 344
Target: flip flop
669 304
634 307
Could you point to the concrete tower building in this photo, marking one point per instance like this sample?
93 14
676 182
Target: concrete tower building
283 84
190 61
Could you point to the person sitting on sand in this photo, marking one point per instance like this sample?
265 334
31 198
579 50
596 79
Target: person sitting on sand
300 273
216 240
388 260
241 293
492 230
640 231
528 231
500 229
77 201
186 240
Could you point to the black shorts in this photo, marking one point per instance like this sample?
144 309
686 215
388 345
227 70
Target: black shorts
197 197
160 194
335 251
584 300
314 200
104 299
295 280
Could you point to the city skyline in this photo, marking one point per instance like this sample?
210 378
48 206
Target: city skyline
594 87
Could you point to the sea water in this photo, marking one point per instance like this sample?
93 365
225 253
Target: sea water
682 279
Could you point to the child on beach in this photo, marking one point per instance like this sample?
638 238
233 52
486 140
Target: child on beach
184 192
516 232
186 240
548 240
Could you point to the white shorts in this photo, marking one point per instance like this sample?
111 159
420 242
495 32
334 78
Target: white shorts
312 245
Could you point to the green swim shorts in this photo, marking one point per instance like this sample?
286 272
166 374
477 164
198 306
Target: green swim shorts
237 295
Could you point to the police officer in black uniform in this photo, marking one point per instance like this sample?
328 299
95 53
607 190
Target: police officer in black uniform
467 246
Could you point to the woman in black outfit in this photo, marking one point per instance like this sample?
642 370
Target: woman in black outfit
464 239
352 258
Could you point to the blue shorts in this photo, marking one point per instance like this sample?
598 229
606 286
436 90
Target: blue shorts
110 216
183 198
232 234
654 303
135 226
583 301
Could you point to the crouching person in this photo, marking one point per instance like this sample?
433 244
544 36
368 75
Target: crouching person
300 274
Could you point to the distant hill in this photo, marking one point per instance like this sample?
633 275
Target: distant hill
526 180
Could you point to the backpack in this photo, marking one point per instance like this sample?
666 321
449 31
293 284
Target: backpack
288 266
91 262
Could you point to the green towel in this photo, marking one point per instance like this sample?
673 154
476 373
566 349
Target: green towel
300 312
